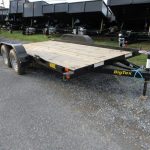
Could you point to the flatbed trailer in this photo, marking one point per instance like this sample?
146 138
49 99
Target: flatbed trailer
72 59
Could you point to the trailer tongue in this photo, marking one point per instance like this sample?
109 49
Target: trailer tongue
73 59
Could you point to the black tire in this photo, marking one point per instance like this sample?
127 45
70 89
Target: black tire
15 63
5 55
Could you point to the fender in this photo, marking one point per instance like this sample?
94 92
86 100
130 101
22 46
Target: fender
20 51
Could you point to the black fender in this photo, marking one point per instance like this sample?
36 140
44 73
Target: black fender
20 51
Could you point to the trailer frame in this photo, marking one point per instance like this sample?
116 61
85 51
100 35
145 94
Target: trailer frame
118 66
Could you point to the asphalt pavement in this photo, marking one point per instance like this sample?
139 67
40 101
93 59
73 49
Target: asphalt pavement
39 111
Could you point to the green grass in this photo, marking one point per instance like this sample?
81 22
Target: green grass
106 41
114 42
16 35
141 45
139 60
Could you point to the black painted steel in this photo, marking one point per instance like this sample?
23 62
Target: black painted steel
3 14
38 8
28 10
88 7
126 2
20 6
16 6
61 8
33 9
48 9
119 2
13 7
93 6
77 7
5 11
145 88
79 39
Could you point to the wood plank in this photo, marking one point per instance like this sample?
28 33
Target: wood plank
72 56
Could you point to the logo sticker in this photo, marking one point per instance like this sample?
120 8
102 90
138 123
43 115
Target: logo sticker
122 73
52 65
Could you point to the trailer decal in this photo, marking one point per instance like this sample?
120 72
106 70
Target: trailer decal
52 65
120 73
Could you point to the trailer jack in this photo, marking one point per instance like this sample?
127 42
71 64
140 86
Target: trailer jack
67 74
144 97
128 69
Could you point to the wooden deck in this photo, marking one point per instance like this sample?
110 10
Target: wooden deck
72 56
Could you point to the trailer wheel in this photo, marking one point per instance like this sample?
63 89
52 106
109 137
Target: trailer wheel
15 63
5 55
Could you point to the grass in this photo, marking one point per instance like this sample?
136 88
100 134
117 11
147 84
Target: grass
106 41
30 38
139 60
145 45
